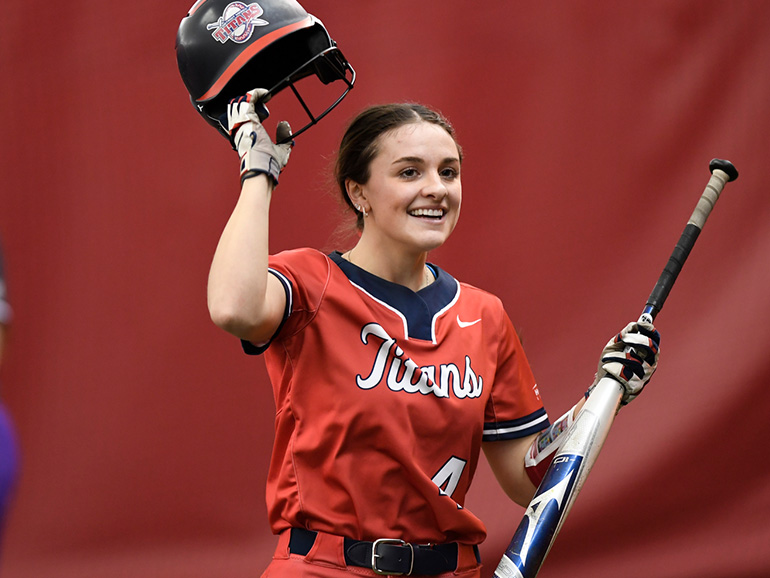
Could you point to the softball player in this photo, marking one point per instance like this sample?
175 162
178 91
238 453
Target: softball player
389 375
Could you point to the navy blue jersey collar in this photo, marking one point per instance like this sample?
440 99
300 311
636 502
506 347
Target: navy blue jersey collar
419 309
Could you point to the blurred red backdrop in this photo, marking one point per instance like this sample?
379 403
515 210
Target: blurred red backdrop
587 129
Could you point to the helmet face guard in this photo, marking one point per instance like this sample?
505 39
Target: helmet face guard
225 49
330 60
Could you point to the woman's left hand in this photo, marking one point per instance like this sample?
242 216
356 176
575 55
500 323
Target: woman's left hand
631 358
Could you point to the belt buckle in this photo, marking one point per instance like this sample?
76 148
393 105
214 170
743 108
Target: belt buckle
375 555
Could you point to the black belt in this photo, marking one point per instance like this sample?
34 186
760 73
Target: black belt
388 556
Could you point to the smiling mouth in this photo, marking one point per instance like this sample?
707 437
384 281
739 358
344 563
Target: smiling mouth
428 213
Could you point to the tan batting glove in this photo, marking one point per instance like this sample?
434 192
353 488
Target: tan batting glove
257 152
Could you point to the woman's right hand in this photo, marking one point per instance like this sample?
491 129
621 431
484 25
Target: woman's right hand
258 154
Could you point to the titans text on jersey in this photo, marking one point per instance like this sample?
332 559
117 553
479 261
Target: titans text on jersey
403 374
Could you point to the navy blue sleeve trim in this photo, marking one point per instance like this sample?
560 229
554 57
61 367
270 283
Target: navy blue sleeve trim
517 428
250 348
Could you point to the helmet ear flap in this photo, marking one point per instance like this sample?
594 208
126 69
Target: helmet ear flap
226 48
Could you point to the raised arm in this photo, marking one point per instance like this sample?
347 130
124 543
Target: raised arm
243 298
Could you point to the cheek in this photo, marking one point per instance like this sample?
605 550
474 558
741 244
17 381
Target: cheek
457 217
458 197
458 205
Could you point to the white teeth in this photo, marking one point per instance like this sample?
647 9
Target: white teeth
427 213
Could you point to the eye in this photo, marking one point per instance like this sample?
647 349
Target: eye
450 173
409 173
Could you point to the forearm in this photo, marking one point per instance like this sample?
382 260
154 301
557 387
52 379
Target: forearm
547 443
519 464
506 459
579 406
238 278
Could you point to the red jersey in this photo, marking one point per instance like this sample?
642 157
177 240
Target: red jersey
383 397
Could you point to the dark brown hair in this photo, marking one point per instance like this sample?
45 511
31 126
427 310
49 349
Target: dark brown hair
360 142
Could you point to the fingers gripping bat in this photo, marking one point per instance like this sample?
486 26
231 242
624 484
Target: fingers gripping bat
573 462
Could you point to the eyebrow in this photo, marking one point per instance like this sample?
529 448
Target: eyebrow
421 160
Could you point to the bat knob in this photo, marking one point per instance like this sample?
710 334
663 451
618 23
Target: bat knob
725 166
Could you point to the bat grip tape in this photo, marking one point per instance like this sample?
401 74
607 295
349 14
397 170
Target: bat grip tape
672 269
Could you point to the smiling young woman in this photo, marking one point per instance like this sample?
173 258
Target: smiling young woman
410 202
390 376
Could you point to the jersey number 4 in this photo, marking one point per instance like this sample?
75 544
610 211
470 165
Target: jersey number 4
449 475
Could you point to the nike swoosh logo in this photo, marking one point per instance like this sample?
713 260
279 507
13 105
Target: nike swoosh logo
465 324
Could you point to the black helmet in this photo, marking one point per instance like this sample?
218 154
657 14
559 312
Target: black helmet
225 49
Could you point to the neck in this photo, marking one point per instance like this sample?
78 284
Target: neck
409 271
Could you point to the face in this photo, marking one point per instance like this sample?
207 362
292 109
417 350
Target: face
414 193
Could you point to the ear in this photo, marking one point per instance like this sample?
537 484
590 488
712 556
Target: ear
355 192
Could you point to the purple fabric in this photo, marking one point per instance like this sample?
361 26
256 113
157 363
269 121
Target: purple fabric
9 462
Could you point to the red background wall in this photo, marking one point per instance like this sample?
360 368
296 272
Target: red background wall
587 128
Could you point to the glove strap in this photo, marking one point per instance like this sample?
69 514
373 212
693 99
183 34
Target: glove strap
256 162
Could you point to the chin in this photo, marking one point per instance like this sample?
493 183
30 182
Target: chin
433 243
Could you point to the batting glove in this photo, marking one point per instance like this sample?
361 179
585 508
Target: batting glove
257 152
631 358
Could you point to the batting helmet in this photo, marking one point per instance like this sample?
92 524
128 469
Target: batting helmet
226 48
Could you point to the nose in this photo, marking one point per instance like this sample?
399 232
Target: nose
434 186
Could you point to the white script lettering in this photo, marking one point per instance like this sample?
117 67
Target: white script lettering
403 374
